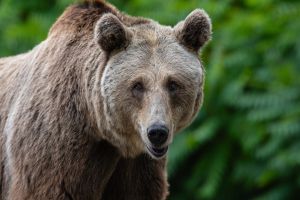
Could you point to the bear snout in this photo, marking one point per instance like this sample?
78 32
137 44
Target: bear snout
158 135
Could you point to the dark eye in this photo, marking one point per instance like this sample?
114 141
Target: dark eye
173 86
138 89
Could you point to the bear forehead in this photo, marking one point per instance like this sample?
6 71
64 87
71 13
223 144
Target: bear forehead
167 57
155 49
152 33
154 45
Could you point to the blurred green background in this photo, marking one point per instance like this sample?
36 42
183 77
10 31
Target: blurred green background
245 143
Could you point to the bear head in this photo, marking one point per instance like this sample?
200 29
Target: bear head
152 84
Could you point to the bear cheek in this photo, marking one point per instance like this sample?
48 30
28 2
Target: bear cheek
198 103
186 112
183 119
128 111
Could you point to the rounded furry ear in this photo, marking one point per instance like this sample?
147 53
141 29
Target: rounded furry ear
111 34
195 30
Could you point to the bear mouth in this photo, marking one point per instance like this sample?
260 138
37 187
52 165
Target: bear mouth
158 152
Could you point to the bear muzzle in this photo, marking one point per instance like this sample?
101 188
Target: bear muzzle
158 136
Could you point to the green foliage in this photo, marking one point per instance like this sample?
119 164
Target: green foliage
245 143
24 24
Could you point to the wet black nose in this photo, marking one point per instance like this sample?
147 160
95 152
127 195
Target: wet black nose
158 134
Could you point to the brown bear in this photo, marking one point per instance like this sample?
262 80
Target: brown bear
89 113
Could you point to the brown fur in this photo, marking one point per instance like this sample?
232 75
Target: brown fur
70 128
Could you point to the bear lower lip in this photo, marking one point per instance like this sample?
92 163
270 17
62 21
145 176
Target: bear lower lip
158 152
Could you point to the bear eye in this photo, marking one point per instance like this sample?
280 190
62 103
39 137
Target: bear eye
138 89
172 86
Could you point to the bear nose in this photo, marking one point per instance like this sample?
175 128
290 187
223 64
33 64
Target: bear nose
158 134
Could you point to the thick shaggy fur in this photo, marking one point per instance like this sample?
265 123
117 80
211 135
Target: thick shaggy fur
59 137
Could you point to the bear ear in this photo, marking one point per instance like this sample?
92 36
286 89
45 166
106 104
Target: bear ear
195 30
111 34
